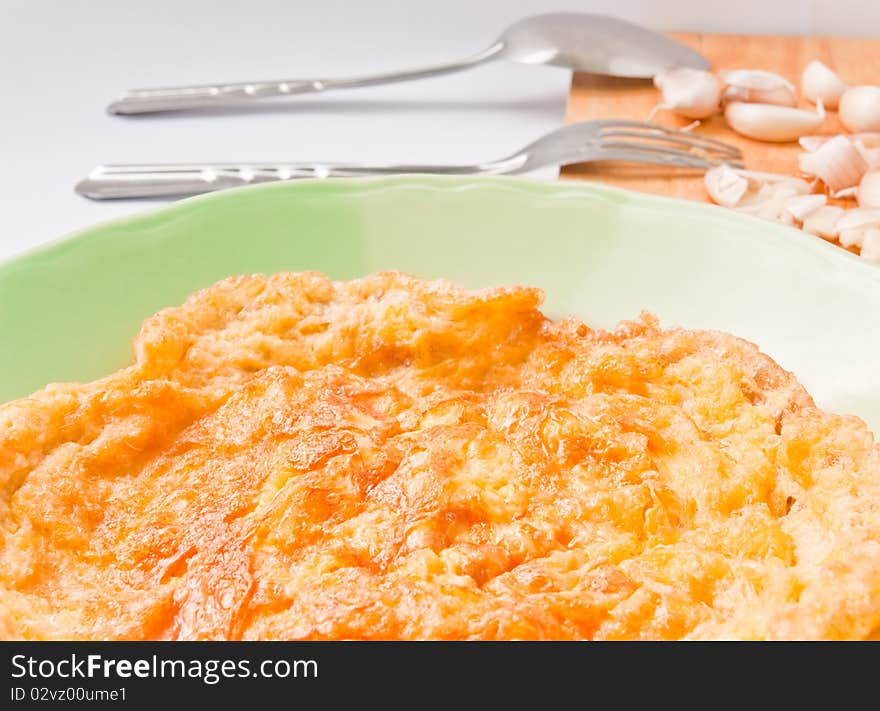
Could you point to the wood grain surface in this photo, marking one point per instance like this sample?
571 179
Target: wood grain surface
857 61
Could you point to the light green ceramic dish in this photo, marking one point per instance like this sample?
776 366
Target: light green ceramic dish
68 311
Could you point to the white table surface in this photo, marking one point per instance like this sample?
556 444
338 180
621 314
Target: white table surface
62 61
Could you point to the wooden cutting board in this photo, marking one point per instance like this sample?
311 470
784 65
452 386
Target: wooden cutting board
857 61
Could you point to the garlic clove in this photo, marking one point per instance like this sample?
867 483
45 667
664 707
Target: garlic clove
754 79
851 238
854 237
823 221
812 143
725 186
858 218
871 245
800 206
767 199
818 82
871 155
837 163
758 87
780 96
768 122
868 193
692 93
859 108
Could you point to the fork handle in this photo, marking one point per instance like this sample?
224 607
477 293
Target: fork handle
208 96
144 181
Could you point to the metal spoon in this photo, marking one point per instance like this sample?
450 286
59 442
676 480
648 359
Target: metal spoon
580 41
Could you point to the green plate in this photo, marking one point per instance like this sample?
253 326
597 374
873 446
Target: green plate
69 310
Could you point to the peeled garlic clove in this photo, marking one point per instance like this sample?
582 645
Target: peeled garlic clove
851 237
800 206
871 245
692 93
823 221
780 96
819 83
836 163
868 194
758 79
859 218
768 122
725 186
859 108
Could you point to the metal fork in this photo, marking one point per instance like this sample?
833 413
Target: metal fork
587 142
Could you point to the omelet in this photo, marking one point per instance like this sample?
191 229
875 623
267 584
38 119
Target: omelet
390 458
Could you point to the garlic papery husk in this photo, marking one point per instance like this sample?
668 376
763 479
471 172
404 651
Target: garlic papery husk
758 87
868 193
823 222
868 144
692 93
725 185
871 245
859 108
819 83
811 143
836 163
768 122
751 189
767 199
800 206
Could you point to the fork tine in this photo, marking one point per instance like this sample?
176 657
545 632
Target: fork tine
657 153
636 156
657 129
731 151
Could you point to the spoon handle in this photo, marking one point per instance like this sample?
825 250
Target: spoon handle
208 96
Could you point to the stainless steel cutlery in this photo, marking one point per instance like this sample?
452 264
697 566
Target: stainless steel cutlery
580 41
591 141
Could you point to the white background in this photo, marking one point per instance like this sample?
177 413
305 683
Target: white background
62 61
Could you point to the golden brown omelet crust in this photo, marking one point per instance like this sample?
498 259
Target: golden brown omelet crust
393 458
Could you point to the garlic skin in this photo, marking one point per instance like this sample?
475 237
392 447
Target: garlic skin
868 193
811 143
819 83
725 186
801 206
823 222
691 93
868 144
836 163
871 245
751 191
769 199
769 122
758 87
859 108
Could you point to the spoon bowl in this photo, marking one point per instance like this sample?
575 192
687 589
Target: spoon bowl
596 44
